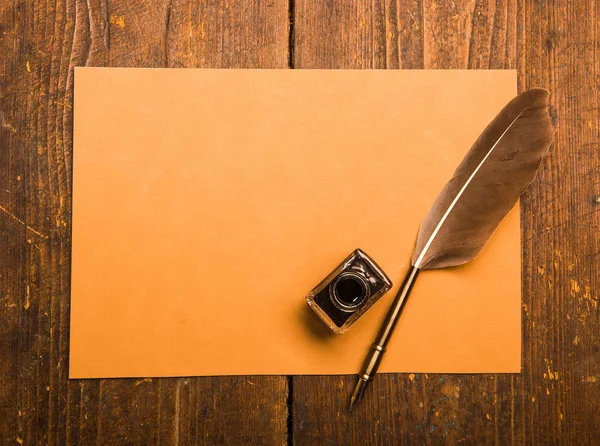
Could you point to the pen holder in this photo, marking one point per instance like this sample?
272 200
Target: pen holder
348 291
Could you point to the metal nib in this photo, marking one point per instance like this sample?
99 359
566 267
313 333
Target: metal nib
358 393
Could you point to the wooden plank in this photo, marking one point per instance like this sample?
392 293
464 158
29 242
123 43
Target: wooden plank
551 45
560 386
40 43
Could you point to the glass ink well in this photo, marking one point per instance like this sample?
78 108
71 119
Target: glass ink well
348 291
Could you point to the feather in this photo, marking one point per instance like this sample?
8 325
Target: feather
487 183
485 186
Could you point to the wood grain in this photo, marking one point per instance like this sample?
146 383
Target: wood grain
552 44
40 43
554 400
560 387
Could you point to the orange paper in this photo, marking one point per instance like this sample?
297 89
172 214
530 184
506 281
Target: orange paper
207 203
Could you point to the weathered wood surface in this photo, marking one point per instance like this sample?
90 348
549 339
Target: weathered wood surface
556 398
551 44
40 43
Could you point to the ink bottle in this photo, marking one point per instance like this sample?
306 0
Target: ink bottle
348 291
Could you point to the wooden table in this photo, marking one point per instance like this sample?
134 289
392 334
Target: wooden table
551 44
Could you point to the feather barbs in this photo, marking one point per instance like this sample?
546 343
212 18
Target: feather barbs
487 183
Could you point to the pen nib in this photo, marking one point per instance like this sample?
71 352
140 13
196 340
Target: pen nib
358 393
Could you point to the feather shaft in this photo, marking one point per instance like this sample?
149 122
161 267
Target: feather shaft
445 216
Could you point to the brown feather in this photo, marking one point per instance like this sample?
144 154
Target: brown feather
487 183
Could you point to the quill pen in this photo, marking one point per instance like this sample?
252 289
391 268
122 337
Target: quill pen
485 186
